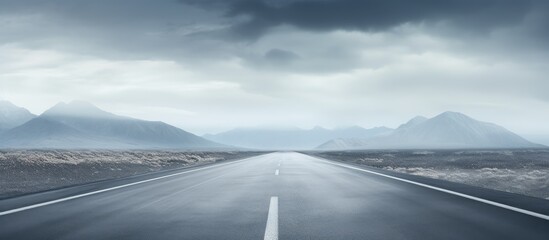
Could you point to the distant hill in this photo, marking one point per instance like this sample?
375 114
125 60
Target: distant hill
294 138
43 133
449 130
413 122
83 125
344 143
12 116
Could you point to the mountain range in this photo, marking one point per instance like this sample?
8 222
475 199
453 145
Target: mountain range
293 138
83 125
12 116
449 130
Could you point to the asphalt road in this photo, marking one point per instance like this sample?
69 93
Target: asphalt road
275 196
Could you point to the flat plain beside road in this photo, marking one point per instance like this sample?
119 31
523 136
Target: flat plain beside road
24 171
274 196
521 171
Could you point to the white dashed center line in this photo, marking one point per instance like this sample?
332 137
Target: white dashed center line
271 230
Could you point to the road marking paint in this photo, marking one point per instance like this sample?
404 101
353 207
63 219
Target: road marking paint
271 230
276 172
110 189
501 205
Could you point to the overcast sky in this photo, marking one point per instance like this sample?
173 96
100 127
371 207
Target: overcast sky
211 65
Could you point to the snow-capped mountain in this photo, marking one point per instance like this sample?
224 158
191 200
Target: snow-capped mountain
448 130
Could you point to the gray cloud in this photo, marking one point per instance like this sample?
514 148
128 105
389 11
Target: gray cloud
280 55
272 62
371 15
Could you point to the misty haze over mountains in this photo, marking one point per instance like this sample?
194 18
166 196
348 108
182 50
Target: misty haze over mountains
445 131
291 138
12 116
82 125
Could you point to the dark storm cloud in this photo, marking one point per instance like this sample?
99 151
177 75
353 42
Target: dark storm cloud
371 15
333 61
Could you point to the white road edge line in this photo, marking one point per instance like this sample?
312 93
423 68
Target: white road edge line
110 189
501 205
276 172
271 230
